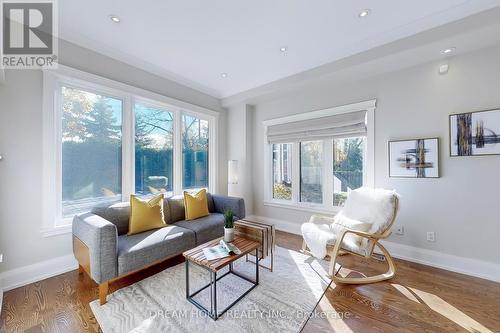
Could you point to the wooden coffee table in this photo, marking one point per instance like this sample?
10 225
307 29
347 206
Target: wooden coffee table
197 257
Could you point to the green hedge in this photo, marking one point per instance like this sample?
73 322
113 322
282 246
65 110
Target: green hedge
88 167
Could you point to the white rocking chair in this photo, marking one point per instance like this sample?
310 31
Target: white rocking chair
366 218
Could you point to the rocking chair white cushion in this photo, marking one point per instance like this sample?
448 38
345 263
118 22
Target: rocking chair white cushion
373 206
366 210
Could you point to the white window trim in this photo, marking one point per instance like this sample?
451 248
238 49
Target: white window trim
326 207
53 79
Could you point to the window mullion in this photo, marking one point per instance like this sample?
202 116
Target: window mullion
128 149
369 157
328 173
58 153
212 156
296 172
177 156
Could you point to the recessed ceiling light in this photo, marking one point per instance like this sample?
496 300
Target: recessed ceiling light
448 50
224 75
365 13
283 49
114 18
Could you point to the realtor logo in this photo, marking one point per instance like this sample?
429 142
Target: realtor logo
28 34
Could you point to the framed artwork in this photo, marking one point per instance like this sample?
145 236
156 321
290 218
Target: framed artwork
475 133
415 158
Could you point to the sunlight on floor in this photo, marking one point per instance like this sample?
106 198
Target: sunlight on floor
449 311
317 268
346 272
336 323
440 306
403 290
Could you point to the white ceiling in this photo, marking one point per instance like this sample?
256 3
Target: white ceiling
194 41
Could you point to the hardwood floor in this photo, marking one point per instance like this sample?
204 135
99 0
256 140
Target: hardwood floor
418 299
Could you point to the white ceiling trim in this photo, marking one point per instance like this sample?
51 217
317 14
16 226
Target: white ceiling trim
79 77
78 39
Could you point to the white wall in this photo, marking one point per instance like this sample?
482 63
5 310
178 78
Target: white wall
415 102
21 144
240 148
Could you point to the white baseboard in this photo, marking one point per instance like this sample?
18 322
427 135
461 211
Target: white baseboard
473 267
22 276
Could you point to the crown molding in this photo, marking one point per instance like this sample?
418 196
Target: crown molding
78 39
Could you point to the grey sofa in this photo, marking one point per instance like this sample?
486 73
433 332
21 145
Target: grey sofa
105 251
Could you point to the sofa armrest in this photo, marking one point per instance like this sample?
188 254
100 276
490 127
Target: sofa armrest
222 203
101 237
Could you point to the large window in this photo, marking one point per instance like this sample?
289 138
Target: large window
325 171
154 147
282 171
104 140
314 159
194 152
347 167
311 166
91 150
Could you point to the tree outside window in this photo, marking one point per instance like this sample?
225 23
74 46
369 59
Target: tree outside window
91 150
194 152
347 167
153 150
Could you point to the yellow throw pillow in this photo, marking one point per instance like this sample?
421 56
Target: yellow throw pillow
145 215
196 204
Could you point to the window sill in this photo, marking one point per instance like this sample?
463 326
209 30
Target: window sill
56 231
303 208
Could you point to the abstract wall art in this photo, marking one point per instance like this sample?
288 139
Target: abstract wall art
416 158
475 133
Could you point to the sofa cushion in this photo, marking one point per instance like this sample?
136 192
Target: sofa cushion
223 203
118 214
210 201
176 210
206 228
139 250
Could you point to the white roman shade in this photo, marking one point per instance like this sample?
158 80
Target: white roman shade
339 125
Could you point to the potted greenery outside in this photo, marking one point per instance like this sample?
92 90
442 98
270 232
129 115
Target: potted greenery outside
228 226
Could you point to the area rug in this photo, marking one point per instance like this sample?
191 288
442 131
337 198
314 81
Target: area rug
282 302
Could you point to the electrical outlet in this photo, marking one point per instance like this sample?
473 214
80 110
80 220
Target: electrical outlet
400 230
431 236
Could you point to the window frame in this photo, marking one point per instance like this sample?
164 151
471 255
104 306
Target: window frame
365 167
159 106
324 145
53 81
327 171
290 153
178 134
